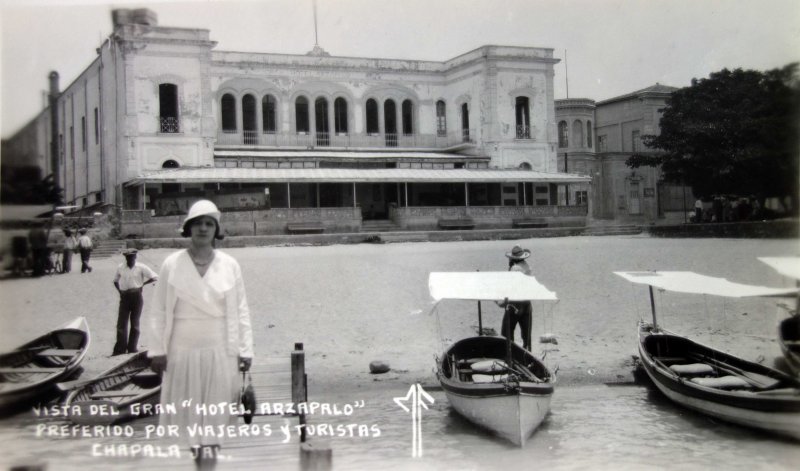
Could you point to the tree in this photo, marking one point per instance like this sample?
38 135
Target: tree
736 132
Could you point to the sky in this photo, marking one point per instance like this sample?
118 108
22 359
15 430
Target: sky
607 47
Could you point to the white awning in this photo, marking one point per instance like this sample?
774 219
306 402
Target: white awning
487 286
690 282
341 175
786 266
345 155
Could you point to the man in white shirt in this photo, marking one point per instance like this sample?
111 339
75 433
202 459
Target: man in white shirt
131 277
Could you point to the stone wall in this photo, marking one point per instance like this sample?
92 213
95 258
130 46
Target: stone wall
488 217
141 224
782 229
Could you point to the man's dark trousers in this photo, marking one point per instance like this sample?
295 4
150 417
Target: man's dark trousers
130 309
522 313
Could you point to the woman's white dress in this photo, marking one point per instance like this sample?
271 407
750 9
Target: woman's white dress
200 371
202 324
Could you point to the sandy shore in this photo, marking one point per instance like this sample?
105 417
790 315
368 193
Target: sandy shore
352 304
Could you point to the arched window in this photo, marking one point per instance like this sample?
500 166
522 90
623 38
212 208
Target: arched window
268 114
390 122
589 134
372 117
170 164
408 118
228 106
168 107
340 115
441 118
465 122
321 122
577 133
522 112
249 125
301 115
563 134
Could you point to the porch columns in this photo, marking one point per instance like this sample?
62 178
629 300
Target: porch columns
317 194
354 195
466 194
406 192
524 195
288 196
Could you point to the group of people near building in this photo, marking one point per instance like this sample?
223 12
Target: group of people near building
721 208
36 253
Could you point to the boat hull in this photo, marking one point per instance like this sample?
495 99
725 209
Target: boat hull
125 390
29 373
511 409
773 407
789 340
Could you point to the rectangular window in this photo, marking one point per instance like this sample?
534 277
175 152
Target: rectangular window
96 126
71 143
635 141
581 198
83 133
602 143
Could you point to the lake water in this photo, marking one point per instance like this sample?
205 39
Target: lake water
621 426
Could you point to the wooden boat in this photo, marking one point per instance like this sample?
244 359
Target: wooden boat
116 390
789 340
789 328
29 373
710 381
489 380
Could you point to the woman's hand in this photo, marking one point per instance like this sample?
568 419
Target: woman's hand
244 363
159 364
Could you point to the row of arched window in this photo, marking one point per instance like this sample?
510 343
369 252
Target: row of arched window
392 122
577 133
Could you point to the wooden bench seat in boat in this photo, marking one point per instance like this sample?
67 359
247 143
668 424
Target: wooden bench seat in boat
481 378
30 369
723 382
130 392
59 352
692 369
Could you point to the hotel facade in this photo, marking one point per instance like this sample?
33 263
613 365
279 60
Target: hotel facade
286 143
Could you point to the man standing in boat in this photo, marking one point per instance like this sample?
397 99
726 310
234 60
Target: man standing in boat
518 312
131 277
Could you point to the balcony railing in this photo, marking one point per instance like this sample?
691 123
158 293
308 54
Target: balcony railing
346 140
523 132
169 124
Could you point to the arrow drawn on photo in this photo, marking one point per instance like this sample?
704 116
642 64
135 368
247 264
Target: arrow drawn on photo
418 397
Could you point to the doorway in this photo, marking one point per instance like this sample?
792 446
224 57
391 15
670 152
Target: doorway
374 199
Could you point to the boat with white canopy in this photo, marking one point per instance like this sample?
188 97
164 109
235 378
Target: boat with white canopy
490 380
708 380
789 328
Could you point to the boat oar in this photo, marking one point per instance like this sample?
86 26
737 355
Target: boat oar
70 385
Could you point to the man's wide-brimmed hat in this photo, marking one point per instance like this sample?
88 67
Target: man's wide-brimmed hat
518 253
129 252
82 230
198 209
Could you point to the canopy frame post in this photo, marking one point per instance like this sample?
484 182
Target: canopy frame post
507 318
480 319
653 308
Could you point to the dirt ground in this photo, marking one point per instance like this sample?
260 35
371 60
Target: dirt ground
352 304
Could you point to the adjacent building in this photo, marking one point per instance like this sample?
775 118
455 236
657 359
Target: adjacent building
597 138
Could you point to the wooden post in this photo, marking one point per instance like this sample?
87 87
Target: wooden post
653 309
299 392
316 457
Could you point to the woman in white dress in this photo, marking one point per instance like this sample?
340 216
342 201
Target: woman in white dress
200 333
